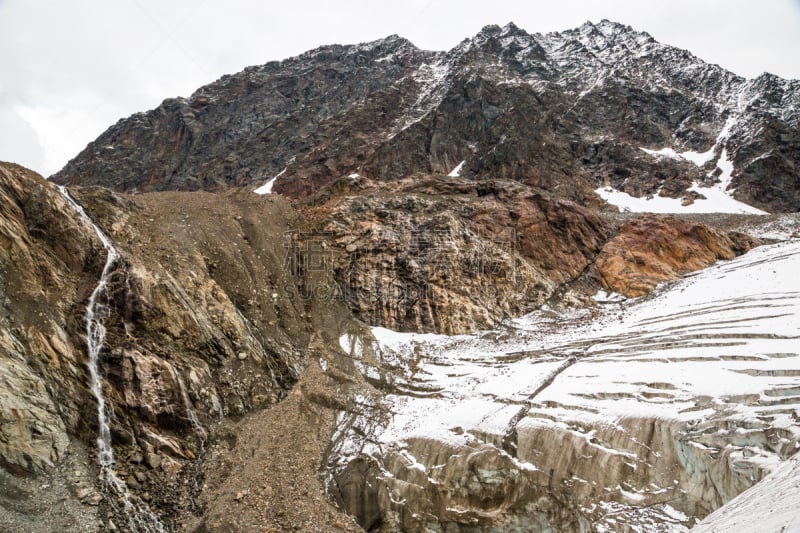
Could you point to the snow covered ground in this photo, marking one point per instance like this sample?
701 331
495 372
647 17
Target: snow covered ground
730 330
716 201
718 198
456 172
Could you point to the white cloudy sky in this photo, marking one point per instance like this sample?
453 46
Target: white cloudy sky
71 69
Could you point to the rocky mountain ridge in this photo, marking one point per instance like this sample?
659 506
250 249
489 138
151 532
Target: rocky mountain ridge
567 112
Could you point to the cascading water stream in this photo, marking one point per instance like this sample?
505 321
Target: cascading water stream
198 428
140 518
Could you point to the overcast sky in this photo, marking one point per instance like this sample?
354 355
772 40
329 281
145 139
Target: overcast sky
70 69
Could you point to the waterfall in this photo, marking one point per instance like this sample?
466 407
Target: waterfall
199 431
138 515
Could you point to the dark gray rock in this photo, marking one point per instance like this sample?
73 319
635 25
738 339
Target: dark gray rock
566 112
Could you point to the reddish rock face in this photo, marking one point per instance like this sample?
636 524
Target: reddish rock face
507 248
559 236
653 249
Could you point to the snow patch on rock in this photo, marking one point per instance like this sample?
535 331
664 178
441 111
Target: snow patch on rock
267 187
456 172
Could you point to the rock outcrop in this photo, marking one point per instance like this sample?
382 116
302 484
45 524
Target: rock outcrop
451 255
650 250
44 253
454 255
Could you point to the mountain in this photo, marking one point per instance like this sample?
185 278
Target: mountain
375 288
566 112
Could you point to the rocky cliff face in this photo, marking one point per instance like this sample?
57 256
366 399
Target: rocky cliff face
41 249
453 255
567 112
651 250
200 329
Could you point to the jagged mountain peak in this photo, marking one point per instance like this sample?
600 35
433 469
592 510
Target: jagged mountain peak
499 36
605 33
565 111
388 43
604 43
508 29
612 28
496 46
381 48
